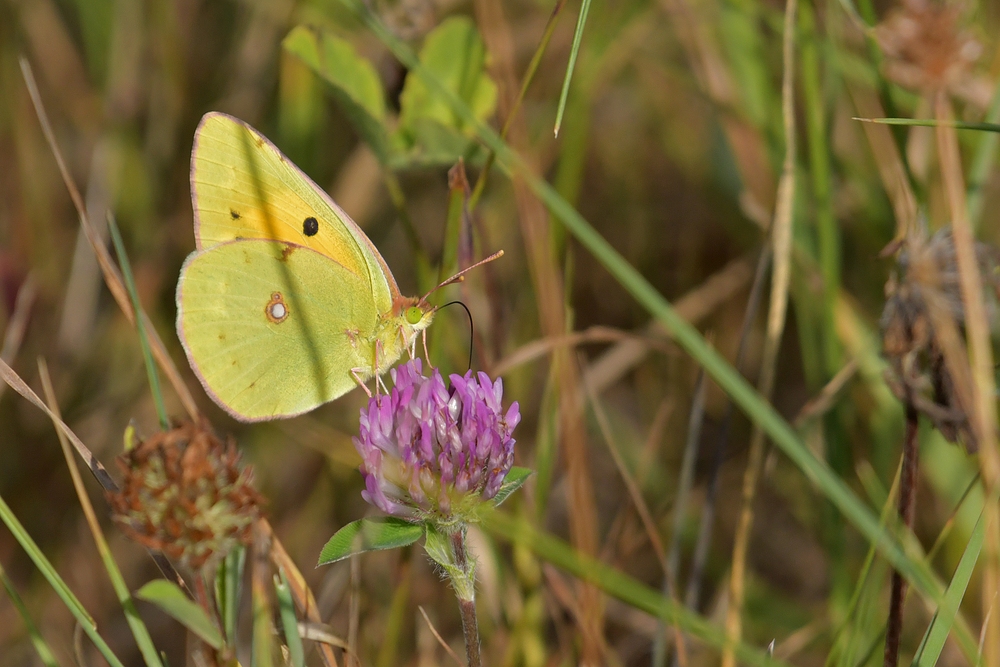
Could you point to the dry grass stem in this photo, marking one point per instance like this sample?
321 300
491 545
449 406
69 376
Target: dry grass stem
694 306
822 402
596 334
301 593
17 323
984 413
888 160
641 508
354 614
74 470
112 277
320 633
547 280
15 382
781 240
439 638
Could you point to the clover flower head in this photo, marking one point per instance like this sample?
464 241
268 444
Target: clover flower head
430 452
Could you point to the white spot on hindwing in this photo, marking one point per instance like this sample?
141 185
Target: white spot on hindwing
276 310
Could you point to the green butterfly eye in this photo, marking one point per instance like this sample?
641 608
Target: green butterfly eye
414 314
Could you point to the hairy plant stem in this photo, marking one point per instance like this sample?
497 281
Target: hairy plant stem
465 591
905 505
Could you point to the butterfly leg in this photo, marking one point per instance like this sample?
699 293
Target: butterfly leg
377 373
410 347
427 355
356 374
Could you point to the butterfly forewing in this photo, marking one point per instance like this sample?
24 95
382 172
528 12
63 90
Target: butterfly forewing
243 187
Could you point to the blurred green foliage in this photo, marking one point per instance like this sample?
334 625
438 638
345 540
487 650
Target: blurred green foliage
671 148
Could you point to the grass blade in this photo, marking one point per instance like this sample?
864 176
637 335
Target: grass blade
140 323
87 623
301 593
983 163
618 584
139 630
529 76
169 597
262 643
227 590
930 122
581 23
41 646
296 656
937 633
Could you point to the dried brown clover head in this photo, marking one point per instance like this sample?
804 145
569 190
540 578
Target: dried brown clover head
185 493
925 46
922 331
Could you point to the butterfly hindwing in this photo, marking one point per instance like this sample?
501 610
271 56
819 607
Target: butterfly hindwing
273 328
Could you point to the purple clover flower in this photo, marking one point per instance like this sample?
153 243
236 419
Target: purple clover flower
427 451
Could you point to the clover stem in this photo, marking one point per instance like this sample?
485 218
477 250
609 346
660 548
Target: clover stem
466 592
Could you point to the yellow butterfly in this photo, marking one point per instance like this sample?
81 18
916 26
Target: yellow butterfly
285 304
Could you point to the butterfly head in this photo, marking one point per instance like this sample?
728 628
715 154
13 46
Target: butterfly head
414 314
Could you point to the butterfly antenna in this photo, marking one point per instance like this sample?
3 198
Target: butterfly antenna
460 276
472 326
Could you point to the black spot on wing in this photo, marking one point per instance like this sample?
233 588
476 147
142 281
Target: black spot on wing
310 226
234 214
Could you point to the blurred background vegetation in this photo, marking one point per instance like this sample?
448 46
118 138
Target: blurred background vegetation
671 146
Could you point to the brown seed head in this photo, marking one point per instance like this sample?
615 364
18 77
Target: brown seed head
925 47
923 330
185 494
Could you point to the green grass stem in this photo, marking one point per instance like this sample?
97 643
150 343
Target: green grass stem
140 323
982 163
290 624
581 23
944 618
617 584
931 122
72 603
45 653
139 630
529 76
